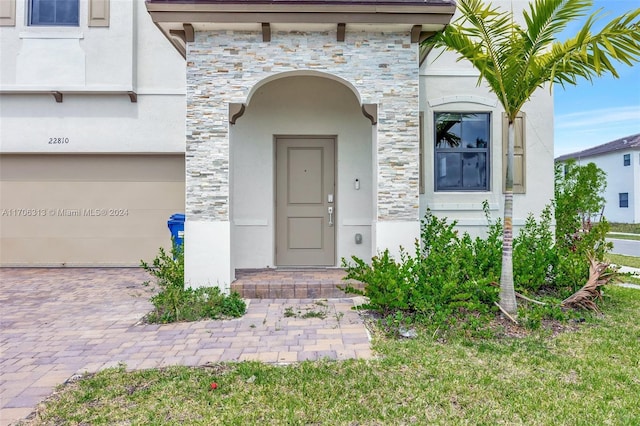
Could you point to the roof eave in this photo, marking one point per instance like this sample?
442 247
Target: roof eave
172 17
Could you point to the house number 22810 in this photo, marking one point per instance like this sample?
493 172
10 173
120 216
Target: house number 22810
58 141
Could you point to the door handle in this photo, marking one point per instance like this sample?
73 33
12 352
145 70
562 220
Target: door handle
330 210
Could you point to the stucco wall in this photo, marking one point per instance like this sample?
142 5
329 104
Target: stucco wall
451 85
92 66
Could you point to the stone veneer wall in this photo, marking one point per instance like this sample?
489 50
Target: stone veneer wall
224 66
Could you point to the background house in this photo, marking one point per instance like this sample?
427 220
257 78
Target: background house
620 160
109 112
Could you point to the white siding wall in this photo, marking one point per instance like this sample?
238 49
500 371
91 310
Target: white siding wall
620 178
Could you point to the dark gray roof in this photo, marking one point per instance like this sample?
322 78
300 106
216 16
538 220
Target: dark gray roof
628 142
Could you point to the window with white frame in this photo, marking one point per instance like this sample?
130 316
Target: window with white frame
626 159
54 13
462 151
624 199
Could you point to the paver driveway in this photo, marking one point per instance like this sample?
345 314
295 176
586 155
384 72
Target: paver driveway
57 322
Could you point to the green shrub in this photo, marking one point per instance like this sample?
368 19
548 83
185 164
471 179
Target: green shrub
174 302
578 203
556 262
451 273
388 283
534 254
448 275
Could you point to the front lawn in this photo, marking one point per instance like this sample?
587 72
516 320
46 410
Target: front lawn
630 228
622 230
587 374
623 236
622 260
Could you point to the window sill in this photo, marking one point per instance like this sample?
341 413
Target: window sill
460 206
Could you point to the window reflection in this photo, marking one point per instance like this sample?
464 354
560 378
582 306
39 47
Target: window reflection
462 146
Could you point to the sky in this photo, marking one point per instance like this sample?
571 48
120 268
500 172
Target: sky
592 114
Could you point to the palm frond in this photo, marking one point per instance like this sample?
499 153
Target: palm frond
546 18
516 61
589 55
479 36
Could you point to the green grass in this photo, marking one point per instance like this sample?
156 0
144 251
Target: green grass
583 377
628 228
620 259
624 237
631 228
631 280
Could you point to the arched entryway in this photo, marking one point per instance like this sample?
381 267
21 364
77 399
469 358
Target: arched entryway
302 189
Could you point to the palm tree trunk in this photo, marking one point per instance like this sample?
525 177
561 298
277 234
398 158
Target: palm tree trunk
507 292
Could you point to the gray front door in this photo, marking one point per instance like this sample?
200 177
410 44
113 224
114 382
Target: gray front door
305 201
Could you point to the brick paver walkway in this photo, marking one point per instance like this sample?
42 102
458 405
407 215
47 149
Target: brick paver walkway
55 323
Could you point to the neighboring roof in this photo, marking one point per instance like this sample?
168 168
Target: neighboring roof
628 142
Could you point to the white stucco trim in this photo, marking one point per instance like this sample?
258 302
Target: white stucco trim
68 89
207 254
483 222
393 235
52 34
453 72
150 91
467 99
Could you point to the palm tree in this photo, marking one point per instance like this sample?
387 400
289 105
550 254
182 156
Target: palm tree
515 61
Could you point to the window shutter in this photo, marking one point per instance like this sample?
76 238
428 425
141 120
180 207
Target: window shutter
99 13
7 13
519 157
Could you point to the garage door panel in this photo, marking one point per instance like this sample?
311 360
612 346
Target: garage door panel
84 221
78 252
91 167
137 224
87 195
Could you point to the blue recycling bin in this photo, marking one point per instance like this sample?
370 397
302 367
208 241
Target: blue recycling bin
176 226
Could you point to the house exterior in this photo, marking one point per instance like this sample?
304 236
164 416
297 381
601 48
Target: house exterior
92 131
620 160
305 132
